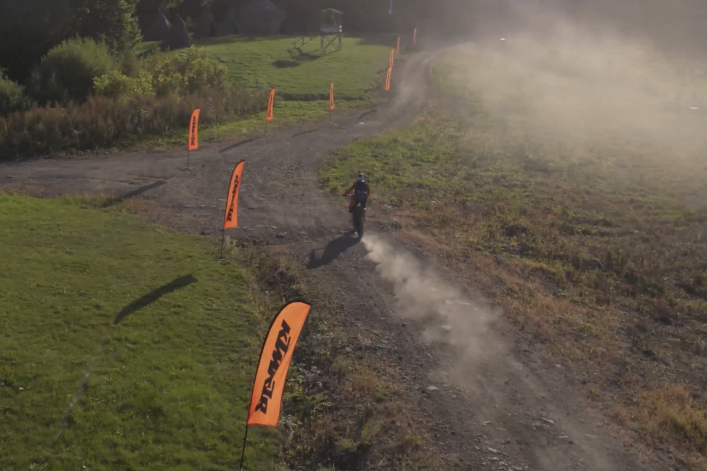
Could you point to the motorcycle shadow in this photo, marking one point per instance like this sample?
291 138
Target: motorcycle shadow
332 251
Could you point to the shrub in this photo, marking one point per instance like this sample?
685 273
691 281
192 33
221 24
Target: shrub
187 71
161 74
11 94
102 122
128 62
68 70
114 84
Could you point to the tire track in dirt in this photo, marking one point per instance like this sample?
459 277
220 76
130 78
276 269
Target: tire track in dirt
510 412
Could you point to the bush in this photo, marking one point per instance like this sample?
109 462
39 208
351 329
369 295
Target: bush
29 29
115 84
187 71
103 122
11 95
67 71
161 75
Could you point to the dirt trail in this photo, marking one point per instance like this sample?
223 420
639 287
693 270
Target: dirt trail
493 405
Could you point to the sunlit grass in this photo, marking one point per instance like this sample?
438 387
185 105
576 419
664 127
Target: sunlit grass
267 62
122 345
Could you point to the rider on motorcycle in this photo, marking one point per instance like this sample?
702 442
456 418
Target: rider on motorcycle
359 193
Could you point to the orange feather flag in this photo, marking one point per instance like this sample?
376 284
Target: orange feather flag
398 44
266 399
392 56
414 37
271 102
387 79
331 96
194 130
230 220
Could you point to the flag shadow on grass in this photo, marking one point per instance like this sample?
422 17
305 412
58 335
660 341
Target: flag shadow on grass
119 199
171 287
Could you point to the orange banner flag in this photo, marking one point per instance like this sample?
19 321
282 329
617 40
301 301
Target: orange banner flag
194 130
271 102
266 400
230 219
392 56
387 79
398 44
414 37
331 96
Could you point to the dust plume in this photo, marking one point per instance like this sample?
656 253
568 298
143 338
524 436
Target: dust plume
482 365
556 78
423 295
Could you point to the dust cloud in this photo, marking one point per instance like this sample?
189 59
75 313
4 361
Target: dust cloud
553 80
483 365
591 84
423 295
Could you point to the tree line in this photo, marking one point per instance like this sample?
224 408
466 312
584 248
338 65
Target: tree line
30 28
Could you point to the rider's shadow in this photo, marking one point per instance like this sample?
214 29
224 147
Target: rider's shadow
332 250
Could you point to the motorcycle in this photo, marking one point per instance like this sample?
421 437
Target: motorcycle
359 219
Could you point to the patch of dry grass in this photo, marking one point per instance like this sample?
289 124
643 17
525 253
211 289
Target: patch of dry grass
675 414
103 122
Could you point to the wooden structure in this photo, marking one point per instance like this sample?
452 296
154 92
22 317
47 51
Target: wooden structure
330 32
331 29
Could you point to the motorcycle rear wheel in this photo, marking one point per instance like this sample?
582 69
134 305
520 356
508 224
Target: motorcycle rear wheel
359 221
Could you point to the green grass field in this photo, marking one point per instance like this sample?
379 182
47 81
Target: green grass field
302 80
265 62
592 240
123 345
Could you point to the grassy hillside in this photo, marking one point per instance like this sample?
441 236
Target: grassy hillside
122 345
302 79
587 229
266 62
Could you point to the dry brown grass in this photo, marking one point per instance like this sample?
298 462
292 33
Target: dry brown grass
103 122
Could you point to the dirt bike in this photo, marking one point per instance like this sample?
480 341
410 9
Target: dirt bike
359 219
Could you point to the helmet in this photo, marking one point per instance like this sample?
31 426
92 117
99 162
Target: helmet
360 178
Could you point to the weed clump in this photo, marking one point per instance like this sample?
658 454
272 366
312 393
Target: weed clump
102 122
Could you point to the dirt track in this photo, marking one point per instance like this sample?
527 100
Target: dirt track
512 411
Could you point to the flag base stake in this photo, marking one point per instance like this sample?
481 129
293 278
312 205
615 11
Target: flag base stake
187 167
223 236
245 440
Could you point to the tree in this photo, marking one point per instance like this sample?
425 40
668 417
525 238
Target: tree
112 21
30 28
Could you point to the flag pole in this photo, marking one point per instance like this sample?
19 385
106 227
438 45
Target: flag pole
245 440
223 236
